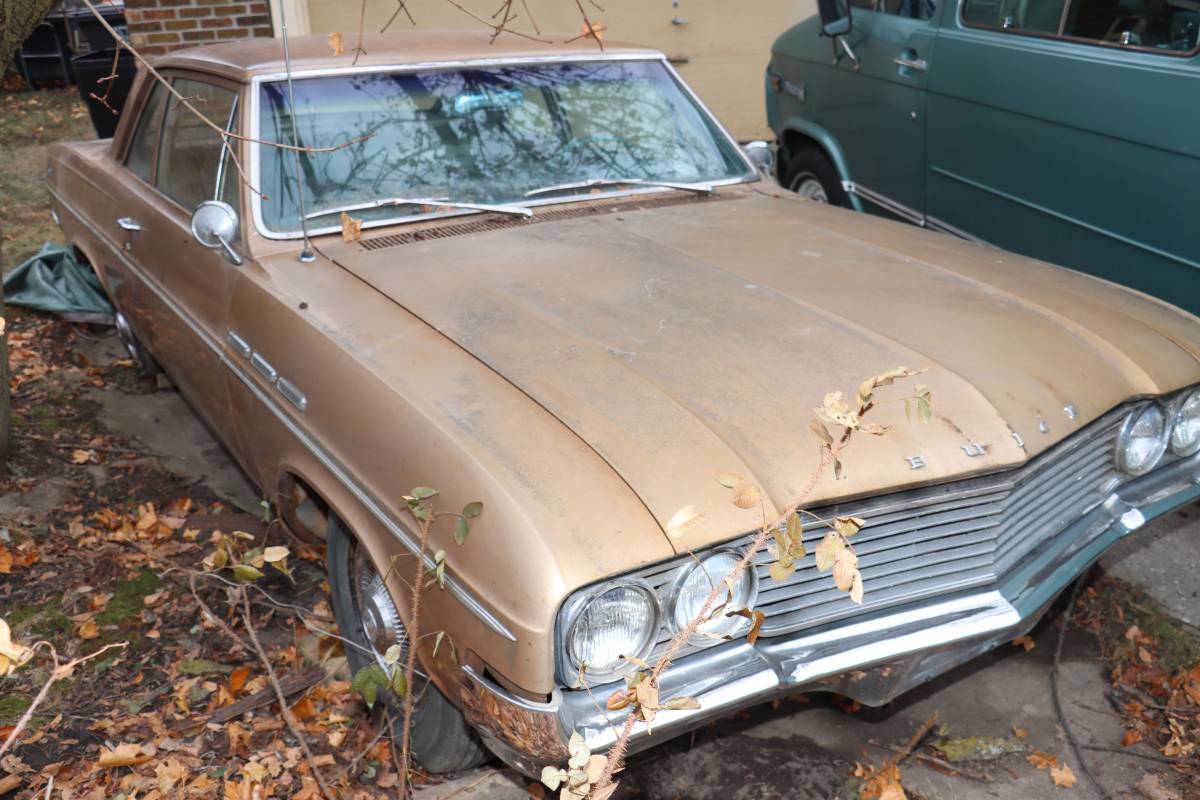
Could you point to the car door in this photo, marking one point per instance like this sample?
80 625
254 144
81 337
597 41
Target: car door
876 108
1051 137
185 330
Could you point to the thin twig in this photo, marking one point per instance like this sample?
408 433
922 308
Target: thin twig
410 664
1055 696
208 612
58 673
362 21
940 763
1175 762
492 25
920 734
284 708
403 6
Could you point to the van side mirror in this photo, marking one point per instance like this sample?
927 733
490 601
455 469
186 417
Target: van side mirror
215 225
835 17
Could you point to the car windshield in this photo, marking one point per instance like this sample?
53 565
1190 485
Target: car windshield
503 135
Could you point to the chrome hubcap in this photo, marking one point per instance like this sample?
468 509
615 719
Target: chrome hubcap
125 334
809 188
378 614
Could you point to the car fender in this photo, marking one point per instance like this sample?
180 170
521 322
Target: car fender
817 136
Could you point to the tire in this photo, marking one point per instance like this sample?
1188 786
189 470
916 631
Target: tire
441 740
810 175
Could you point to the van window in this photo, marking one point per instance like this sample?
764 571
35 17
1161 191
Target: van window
1028 16
190 159
141 150
1167 25
1158 24
912 9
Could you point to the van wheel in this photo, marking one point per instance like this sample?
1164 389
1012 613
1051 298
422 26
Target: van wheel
441 740
810 175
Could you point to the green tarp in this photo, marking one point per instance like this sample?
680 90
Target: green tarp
54 281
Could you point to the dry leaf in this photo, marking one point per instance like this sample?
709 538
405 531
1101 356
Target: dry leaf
681 520
1062 776
237 679
89 630
746 495
351 228
1025 641
1020 733
1151 787
335 42
827 551
845 567
1132 736
12 654
856 588
123 755
1041 760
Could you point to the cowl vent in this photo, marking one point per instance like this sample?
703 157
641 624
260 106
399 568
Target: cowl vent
491 222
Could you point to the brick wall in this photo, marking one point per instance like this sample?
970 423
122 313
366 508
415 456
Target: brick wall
157 26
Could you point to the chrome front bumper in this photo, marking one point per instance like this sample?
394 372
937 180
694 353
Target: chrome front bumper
871 659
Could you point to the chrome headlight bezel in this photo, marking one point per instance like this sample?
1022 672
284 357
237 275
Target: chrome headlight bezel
1177 410
572 614
1160 446
726 626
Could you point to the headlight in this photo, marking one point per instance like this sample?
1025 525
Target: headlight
1142 440
620 621
1185 429
697 581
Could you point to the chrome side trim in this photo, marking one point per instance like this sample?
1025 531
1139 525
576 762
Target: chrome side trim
255 163
884 202
396 528
264 368
291 392
239 345
908 214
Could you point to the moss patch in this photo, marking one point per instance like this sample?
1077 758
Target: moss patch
127 597
12 706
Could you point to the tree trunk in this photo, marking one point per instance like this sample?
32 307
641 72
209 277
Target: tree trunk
18 18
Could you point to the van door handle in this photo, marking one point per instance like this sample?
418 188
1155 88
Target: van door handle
128 224
915 64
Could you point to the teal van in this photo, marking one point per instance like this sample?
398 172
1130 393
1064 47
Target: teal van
1067 130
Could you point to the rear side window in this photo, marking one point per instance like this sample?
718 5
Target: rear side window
190 159
141 150
1168 26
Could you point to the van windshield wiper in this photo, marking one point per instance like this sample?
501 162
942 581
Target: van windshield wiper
520 211
702 188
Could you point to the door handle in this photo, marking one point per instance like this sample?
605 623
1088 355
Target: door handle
915 64
128 224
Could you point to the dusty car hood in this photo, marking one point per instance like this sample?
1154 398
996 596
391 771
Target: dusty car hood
693 338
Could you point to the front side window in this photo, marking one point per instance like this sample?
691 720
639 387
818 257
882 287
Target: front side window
1170 26
141 150
912 9
191 157
482 135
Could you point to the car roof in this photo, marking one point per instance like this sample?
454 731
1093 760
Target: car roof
245 58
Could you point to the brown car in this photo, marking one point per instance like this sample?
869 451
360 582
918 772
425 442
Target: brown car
574 300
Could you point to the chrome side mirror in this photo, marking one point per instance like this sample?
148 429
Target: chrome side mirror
835 17
761 155
215 225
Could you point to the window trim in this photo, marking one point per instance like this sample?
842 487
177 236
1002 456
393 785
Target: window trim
142 118
212 80
1059 36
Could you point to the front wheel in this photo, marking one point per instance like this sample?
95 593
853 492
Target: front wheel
810 175
441 740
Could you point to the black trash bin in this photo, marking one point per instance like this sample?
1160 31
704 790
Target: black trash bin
90 70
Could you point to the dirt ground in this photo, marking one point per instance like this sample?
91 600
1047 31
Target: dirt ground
114 490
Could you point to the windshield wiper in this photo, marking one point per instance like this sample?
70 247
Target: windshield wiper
702 188
520 211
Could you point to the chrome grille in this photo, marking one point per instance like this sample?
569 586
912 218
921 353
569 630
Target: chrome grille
940 540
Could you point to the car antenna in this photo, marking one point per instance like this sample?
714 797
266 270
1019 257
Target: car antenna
306 253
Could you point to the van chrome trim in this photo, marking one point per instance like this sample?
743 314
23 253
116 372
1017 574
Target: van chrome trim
255 163
1066 218
326 459
908 214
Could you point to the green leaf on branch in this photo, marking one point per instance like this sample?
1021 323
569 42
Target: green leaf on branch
462 529
244 573
472 510
368 681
